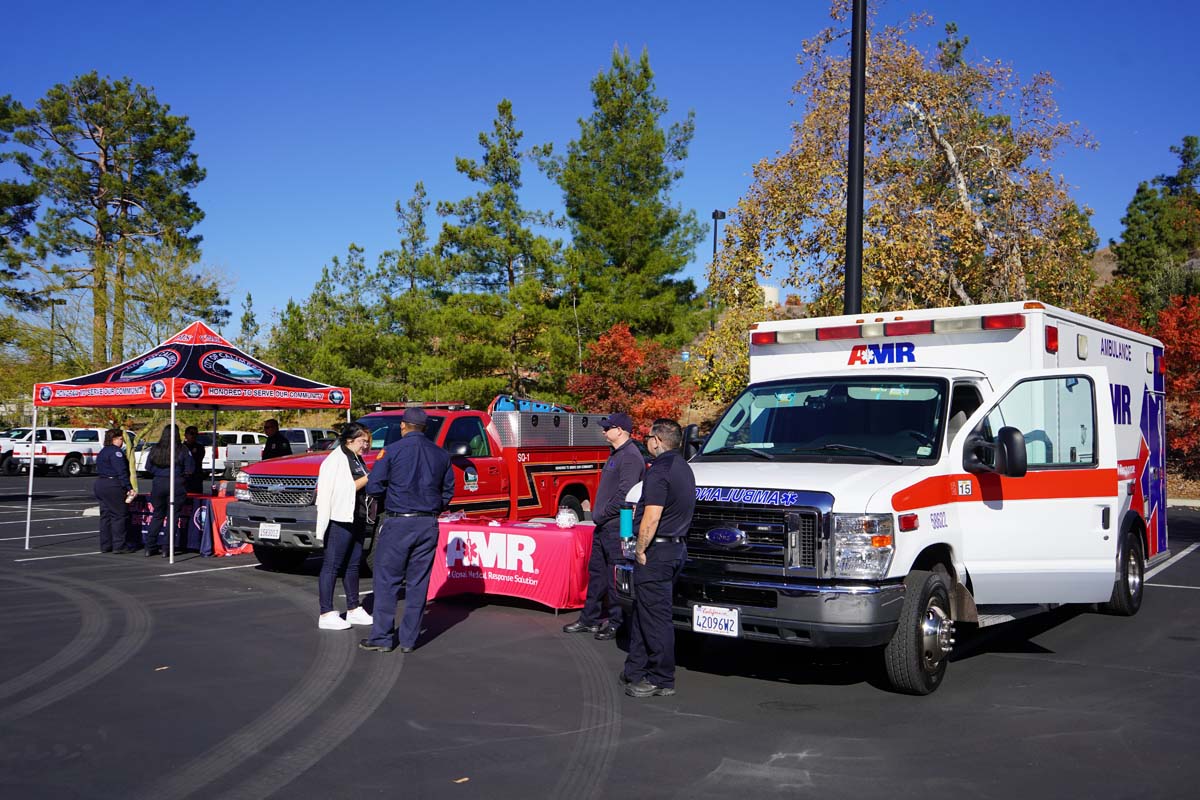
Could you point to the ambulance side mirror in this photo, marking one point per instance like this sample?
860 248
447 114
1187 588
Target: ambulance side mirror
691 440
1006 456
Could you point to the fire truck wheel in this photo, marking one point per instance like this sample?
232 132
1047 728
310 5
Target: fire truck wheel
916 657
72 468
279 560
1127 591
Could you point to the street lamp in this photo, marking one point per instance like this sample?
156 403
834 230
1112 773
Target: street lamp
716 215
53 301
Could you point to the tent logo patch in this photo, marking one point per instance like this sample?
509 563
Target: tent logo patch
232 367
158 389
336 397
153 363
45 393
192 390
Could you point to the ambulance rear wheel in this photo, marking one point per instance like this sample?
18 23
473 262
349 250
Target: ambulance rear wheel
916 657
1131 572
279 560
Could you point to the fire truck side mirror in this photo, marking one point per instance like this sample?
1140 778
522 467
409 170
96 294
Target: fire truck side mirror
691 440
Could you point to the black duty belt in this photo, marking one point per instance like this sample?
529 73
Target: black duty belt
409 514
670 539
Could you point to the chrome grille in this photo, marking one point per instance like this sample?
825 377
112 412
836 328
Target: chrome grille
767 531
282 490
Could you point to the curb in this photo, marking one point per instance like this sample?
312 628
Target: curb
1183 503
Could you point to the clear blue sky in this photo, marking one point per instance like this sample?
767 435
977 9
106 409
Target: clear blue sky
313 119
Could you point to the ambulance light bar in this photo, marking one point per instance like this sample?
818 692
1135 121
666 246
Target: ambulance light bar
867 330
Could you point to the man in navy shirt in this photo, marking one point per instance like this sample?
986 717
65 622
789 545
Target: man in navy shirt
417 480
663 517
621 473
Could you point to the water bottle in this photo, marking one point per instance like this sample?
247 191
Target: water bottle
628 543
566 517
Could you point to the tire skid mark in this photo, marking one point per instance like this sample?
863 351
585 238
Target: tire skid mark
368 695
324 675
93 625
133 637
587 768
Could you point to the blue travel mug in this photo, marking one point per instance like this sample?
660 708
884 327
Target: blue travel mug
628 543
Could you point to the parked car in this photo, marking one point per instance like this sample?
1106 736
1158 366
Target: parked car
6 443
224 439
68 451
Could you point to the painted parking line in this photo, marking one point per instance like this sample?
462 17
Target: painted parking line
47 536
68 555
199 571
43 519
1172 586
1186 551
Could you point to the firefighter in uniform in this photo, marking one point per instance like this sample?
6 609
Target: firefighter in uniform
114 491
277 444
623 470
663 517
417 480
195 482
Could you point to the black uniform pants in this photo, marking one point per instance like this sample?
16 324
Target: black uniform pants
160 498
651 631
114 513
601 602
404 551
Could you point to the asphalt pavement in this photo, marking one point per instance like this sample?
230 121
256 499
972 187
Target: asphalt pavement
126 677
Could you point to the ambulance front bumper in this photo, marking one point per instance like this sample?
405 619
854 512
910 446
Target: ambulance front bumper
814 614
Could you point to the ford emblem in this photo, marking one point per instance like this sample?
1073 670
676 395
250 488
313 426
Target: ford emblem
726 537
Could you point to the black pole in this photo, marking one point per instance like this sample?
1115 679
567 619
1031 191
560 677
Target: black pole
716 215
854 178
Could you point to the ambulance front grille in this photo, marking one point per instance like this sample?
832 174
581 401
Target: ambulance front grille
767 532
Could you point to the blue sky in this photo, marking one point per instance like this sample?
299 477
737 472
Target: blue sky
313 119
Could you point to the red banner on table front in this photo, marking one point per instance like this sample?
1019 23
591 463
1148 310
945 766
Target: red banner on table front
536 561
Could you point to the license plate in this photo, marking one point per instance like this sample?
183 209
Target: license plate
268 530
716 620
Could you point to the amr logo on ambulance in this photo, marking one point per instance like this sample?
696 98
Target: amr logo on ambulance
491 550
883 353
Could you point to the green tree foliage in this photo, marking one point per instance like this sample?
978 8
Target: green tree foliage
629 242
504 272
247 340
116 167
1162 232
18 206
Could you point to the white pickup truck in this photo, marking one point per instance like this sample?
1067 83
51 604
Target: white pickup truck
224 440
67 451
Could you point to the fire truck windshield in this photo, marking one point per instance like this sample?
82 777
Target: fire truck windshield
385 428
833 419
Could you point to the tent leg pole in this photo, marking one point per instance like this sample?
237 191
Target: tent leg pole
171 502
29 495
216 446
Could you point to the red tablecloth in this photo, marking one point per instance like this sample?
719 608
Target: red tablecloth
533 560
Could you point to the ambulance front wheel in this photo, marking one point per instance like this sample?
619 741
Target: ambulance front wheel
917 655
1131 571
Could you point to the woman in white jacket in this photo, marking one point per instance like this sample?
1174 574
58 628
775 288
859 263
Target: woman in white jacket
342 525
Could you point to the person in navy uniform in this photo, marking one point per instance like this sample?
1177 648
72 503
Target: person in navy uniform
662 520
195 481
159 462
114 491
418 481
277 444
623 470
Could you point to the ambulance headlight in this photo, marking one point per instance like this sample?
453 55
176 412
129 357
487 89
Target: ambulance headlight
863 545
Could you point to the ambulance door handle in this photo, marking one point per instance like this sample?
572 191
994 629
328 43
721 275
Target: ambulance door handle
1105 517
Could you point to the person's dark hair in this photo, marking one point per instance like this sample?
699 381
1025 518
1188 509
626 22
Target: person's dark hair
191 429
160 453
668 432
112 433
272 422
351 431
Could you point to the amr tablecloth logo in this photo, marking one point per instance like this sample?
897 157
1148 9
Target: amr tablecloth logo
491 550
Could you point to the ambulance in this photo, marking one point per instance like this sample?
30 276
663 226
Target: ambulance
886 477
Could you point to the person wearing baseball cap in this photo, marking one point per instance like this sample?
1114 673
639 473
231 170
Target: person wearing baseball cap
622 471
417 480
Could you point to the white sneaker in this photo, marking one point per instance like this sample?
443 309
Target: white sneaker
332 622
358 616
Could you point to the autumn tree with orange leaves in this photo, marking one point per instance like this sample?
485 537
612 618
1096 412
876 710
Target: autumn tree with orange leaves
622 374
961 204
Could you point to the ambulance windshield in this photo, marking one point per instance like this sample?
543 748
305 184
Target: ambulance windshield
831 419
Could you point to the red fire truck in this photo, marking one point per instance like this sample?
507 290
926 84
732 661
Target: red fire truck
507 465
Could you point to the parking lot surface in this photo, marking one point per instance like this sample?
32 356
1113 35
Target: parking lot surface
127 677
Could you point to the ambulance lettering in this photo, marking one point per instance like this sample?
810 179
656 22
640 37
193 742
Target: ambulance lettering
1120 404
510 551
884 353
1114 349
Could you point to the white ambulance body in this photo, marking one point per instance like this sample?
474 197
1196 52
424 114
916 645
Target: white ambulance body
887 475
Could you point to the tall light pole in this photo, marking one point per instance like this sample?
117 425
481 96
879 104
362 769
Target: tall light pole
53 301
716 215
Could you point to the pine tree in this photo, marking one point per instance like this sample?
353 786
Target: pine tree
629 242
247 339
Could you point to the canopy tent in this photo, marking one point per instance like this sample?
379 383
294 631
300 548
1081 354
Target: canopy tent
196 369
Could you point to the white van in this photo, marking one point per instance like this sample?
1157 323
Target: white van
885 477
